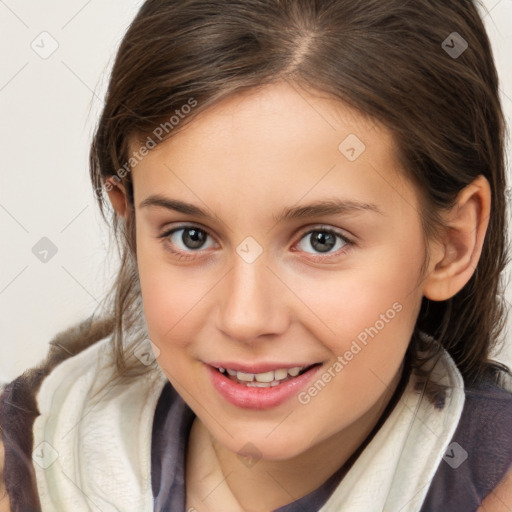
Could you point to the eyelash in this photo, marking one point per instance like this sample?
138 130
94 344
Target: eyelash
181 255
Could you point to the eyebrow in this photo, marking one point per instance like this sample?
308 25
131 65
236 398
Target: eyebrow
315 209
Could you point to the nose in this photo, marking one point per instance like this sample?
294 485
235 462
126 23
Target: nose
252 302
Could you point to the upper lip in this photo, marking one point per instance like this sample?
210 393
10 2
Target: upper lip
257 367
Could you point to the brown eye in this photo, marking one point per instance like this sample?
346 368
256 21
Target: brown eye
187 239
323 241
193 238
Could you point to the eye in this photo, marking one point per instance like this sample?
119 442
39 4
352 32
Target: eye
186 239
323 240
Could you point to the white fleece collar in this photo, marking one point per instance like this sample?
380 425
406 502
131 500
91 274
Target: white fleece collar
92 446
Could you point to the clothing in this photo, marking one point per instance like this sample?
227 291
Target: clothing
93 441
484 430
171 429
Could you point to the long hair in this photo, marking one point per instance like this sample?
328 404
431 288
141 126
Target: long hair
423 68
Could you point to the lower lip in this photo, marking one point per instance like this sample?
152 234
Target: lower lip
259 398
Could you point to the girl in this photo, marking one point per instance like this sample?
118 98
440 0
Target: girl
309 198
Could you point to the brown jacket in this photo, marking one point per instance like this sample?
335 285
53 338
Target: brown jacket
18 411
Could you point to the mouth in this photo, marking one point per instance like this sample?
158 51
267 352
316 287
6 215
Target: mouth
261 386
267 379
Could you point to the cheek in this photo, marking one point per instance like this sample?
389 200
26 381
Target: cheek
169 298
369 310
359 296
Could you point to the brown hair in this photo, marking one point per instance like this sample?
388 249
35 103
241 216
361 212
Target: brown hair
385 59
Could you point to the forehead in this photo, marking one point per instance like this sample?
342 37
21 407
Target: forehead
275 137
260 111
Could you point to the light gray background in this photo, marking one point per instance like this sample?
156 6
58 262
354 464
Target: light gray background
49 107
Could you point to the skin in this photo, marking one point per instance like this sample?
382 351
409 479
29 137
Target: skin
244 160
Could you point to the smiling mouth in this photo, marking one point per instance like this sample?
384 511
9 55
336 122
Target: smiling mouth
268 379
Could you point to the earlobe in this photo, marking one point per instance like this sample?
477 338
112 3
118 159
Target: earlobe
117 196
456 257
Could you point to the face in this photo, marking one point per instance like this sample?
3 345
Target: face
275 232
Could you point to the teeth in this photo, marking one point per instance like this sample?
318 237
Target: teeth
265 377
262 384
281 374
246 377
294 371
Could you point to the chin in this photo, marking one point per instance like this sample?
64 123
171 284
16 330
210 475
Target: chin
260 447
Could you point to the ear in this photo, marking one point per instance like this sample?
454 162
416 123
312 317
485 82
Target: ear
453 260
118 196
